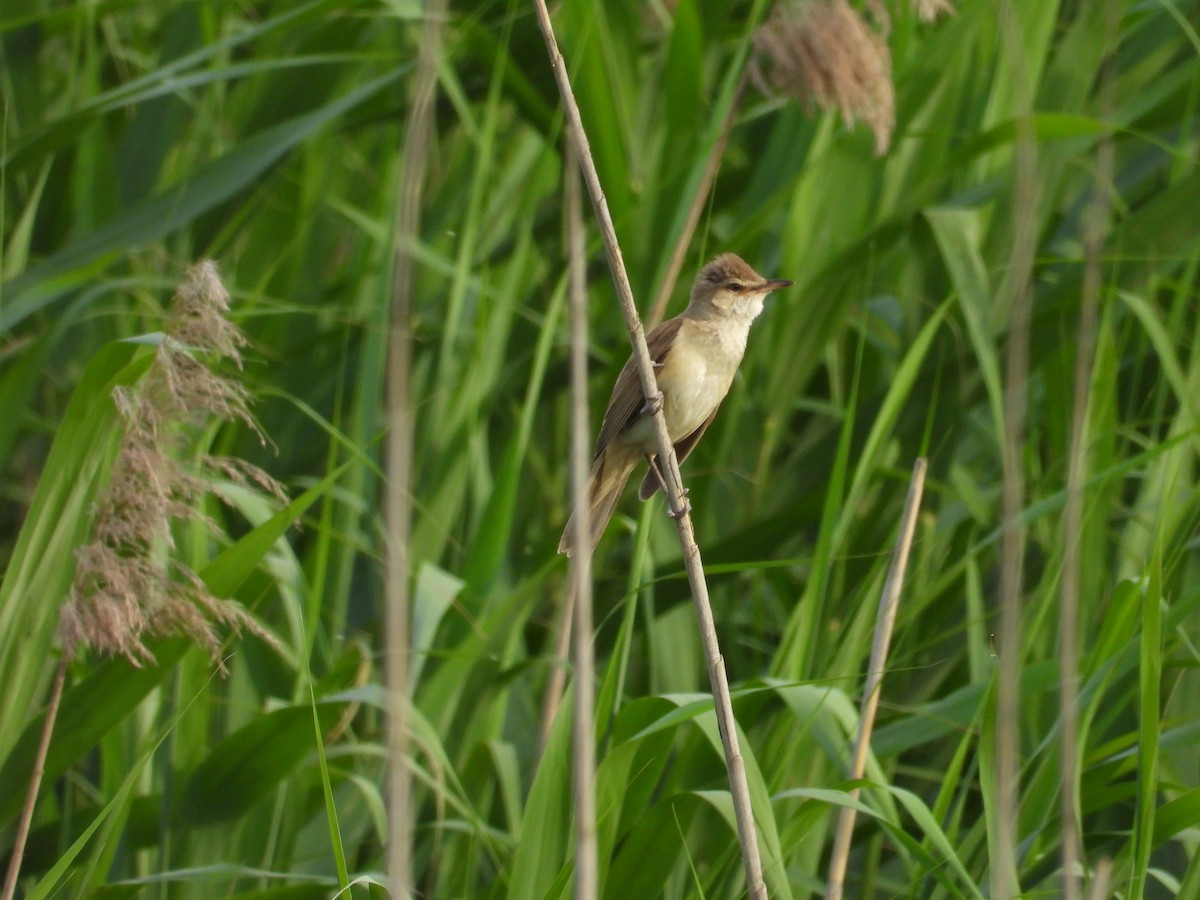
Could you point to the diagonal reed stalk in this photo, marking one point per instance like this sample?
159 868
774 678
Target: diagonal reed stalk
659 307
889 602
35 784
557 681
735 765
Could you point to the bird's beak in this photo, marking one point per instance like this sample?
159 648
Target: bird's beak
775 284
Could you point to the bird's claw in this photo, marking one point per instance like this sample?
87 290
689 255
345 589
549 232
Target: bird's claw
687 507
653 405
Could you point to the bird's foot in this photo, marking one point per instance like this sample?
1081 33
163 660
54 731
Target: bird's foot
652 405
687 507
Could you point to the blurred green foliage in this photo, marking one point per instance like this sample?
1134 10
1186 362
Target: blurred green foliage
137 137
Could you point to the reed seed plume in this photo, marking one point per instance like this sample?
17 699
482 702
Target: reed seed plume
825 54
128 586
929 10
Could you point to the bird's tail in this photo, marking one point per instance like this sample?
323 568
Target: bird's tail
607 479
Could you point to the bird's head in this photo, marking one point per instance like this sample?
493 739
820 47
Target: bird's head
727 286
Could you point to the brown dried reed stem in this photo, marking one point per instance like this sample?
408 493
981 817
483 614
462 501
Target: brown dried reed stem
735 765
583 772
397 504
1095 227
1019 290
1100 879
35 783
557 682
889 603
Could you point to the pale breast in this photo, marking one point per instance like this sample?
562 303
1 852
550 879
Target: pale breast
696 377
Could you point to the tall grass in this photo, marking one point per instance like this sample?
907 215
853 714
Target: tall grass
140 137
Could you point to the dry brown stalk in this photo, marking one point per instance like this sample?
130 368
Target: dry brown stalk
557 682
1094 231
583 771
1019 289
735 765
1100 879
35 783
397 501
889 603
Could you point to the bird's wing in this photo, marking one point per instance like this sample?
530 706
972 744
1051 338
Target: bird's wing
650 483
627 401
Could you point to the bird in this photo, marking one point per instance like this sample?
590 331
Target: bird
695 355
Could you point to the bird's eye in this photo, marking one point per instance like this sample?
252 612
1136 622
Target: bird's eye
736 286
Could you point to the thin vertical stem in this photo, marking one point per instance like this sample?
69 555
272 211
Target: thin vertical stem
889 603
1100 879
399 453
1094 229
1005 883
584 731
398 526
